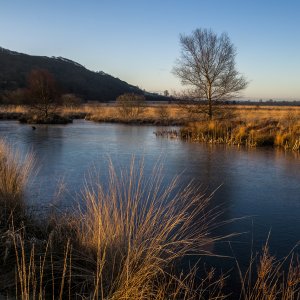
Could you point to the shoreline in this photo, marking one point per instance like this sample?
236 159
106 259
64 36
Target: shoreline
277 127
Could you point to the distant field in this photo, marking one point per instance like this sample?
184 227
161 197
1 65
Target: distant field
249 113
172 111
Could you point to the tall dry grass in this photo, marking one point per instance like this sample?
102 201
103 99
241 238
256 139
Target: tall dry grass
270 278
13 109
125 240
151 114
282 132
15 172
138 229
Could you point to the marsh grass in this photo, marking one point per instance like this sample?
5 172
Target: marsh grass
15 172
123 241
270 278
283 132
151 114
126 239
143 227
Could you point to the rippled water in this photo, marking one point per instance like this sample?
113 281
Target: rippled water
262 185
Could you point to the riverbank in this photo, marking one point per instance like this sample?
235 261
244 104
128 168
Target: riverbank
252 126
280 133
116 246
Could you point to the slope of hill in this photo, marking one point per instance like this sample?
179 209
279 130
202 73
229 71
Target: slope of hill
71 76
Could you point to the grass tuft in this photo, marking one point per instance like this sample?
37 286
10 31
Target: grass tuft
14 175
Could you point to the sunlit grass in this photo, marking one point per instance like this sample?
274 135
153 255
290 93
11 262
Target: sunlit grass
270 278
282 132
142 228
150 114
122 242
125 239
14 175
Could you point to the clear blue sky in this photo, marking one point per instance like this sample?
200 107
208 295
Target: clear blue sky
138 40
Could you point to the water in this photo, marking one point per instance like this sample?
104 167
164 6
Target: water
262 185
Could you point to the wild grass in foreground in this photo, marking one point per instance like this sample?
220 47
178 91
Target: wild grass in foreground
125 240
14 176
269 278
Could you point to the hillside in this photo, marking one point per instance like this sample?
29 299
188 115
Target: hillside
71 76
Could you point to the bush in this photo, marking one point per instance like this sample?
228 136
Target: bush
70 100
130 105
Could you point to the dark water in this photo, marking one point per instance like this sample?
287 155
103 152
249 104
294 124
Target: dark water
260 184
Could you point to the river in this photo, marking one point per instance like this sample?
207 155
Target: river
260 186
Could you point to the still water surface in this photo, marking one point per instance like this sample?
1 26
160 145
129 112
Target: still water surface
261 184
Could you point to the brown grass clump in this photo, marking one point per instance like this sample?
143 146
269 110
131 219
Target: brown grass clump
281 132
124 242
150 114
268 278
137 229
14 175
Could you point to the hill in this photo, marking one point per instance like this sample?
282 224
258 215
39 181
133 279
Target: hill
71 76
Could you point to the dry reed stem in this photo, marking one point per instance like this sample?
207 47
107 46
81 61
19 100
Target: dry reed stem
269 278
127 238
139 228
15 173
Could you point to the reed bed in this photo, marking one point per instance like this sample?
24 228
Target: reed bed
156 114
14 175
160 114
283 132
125 239
270 278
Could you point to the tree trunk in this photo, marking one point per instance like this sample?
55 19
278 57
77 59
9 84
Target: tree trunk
209 96
46 112
210 112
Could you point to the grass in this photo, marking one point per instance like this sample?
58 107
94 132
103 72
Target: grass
150 114
250 126
283 132
269 278
253 126
125 240
122 242
14 176
142 229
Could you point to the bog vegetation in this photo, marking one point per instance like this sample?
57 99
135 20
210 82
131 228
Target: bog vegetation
251 126
125 240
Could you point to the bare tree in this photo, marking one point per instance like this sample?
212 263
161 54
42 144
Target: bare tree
207 66
42 93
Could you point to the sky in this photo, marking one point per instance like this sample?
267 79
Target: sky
138 40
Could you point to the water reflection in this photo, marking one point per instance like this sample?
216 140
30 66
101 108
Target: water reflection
262 184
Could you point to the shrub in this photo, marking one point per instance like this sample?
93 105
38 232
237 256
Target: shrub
130 105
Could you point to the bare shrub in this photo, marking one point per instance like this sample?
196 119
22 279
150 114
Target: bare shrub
130 105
